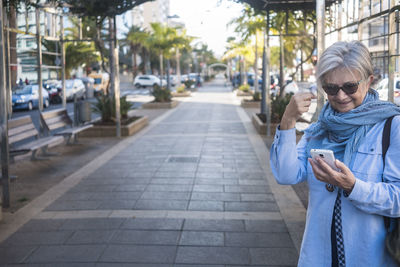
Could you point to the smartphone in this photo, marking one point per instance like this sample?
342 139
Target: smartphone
326 155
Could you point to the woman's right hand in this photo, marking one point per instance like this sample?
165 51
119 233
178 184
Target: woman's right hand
299 104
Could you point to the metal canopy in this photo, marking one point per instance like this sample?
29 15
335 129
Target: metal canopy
280 5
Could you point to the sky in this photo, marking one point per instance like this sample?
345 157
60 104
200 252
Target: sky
207 19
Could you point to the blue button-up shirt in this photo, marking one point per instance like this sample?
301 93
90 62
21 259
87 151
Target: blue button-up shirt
362 222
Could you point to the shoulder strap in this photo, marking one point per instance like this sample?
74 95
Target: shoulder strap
386 137
385 146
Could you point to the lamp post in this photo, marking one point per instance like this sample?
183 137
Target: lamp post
168 62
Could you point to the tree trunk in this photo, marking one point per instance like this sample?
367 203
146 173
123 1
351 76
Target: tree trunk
134 64
281 62
178 67
256 68
13 43
161 68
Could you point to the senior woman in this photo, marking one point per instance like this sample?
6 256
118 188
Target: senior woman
344 225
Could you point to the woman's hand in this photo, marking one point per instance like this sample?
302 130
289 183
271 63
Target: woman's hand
344 179
299 103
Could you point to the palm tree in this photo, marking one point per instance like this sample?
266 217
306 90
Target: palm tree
251 24
136 38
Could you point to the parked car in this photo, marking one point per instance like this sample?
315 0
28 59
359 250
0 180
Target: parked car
148 80
28 98
74 87
383 89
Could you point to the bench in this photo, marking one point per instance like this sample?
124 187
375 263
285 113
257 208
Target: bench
59 119
23 138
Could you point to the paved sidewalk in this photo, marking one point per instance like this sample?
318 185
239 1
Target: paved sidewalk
192 189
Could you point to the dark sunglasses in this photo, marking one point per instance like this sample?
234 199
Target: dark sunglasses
349 88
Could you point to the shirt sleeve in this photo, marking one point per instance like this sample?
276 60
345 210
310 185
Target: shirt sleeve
288 161
382 198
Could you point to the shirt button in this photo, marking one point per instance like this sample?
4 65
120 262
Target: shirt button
329 187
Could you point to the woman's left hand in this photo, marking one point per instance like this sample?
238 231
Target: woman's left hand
344 178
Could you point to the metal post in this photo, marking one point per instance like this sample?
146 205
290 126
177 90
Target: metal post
268 80
392 51
3 120
8 70
112 47
340 10
320 49
39 59
116 89
64 99
178 68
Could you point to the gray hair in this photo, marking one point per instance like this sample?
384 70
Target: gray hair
353 56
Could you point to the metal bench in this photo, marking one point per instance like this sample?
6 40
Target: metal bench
24 138
59 119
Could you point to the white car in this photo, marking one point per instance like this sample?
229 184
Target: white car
383 88
74 87
148 80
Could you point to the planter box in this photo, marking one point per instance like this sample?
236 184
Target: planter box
250 104
159 105
261 127
110 130
184 94
241 93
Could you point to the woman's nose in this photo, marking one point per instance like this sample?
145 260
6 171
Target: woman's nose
341 94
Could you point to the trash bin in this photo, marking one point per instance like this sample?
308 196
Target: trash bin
84 111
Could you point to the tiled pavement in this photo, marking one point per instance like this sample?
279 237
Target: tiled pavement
190 190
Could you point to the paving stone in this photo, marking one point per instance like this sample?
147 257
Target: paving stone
91 237
64 205
230 175
274 256
143 204
131 265
257 197
251 175
93 188
116 196
175 174
206 181
76 196
212 239
153 224
41 225
214 225
247 189
142 237
212 255
215 196
172 181
55 264
67 253
117 205
130 187
251 206
37 238
197 265
254 240
169 188
92 224
208 188
252 182
15 254
209 174
266 226
138 254
206 205
166 195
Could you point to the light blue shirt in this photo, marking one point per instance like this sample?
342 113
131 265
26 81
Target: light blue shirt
362 222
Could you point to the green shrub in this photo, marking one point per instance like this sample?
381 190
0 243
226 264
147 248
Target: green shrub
188 84
105 106
278 106
257 96
161 94
244 88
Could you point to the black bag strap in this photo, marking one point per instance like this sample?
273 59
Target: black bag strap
385 147
386 137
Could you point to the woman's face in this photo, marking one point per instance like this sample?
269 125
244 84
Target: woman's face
342 102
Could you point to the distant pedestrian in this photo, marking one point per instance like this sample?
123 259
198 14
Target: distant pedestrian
20 82
26 81
345 224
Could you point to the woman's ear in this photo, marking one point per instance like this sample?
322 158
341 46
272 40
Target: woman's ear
370 79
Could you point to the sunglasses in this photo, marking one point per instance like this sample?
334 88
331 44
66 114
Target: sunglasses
349 88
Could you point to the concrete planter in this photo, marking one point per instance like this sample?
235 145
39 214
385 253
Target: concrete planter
159 105
184 94
242 93
110 130
250 104
261 127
